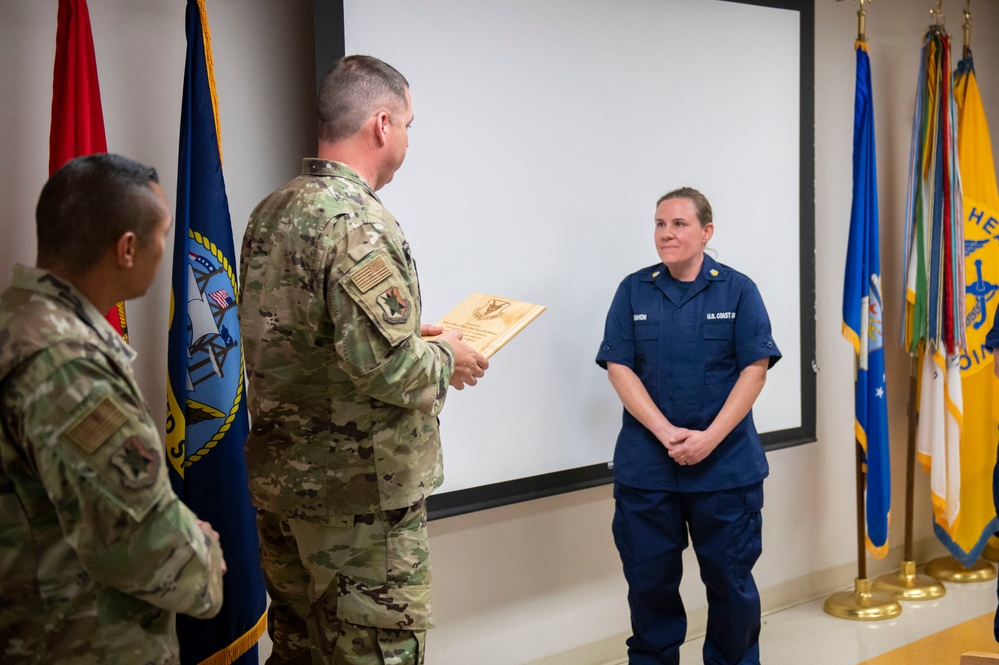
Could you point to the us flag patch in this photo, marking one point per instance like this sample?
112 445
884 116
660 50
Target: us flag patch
371 274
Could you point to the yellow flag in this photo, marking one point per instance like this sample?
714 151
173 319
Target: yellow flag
980 387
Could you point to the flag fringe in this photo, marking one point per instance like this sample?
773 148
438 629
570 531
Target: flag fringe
851 336
242 644
940 515
206 35
878 551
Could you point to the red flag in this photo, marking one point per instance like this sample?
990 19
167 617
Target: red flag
77 118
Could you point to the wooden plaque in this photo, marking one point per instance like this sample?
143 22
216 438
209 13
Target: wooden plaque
488 322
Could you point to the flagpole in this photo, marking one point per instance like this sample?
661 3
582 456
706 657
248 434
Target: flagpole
966 52
907 584
862 325
863 603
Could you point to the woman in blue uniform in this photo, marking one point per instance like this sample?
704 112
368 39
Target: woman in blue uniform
687 346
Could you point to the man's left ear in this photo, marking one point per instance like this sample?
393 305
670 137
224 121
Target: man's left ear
125 249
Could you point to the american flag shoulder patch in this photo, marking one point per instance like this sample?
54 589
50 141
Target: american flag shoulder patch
371 274
97 426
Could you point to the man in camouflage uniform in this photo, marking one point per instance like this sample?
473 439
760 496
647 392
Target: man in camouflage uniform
97 553
344 390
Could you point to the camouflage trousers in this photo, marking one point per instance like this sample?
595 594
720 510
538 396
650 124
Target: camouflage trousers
352 592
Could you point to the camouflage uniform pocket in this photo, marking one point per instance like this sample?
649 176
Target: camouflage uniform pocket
398 595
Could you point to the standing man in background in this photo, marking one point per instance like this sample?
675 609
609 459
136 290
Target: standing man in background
344 391
97 553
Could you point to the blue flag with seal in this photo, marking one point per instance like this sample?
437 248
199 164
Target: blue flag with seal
863 321
206 401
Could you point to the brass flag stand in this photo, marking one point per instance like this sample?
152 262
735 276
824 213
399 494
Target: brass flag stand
863 603
907 584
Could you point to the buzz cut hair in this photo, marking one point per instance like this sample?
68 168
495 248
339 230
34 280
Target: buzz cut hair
89 203
356 87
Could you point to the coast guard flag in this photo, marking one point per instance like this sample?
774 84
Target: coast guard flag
981 393
862 314
206 401
77 117
934 322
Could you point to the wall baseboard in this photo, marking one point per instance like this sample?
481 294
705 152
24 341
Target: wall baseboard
612 650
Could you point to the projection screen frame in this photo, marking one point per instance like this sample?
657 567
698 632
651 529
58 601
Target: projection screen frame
330 46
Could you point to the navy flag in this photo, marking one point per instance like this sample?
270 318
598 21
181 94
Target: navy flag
206 400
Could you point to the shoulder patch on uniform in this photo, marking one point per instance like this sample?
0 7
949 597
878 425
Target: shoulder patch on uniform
371 274
98 425
395 308
138 465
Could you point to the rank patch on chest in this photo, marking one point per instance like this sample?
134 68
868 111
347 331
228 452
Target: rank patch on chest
395 308
371 274
97 426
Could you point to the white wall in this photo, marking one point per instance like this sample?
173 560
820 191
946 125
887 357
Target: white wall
521 582
266 86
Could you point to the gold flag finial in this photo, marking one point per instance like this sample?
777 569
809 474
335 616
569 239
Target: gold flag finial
862 22
967 29
937 13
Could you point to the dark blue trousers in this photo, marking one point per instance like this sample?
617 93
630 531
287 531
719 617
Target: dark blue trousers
650 530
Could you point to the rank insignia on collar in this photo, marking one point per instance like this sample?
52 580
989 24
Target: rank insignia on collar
714 273
655 274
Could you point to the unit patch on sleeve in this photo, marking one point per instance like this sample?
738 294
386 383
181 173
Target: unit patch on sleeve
138 465
395 308
98 425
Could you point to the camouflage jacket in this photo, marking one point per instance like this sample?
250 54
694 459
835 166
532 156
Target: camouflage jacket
344 392
97 553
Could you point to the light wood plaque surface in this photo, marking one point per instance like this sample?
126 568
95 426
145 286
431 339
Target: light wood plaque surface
488 322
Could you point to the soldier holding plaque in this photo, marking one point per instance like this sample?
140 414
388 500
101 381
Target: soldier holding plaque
687 346
344 390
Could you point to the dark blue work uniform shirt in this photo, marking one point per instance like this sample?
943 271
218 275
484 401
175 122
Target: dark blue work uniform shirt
688 351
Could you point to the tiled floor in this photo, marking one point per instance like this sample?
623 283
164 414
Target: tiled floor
806 635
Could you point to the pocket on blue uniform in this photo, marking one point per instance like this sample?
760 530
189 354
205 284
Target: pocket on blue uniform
646 330
719 350
646 341
754 499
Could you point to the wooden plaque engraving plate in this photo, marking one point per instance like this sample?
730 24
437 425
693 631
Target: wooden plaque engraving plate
488 322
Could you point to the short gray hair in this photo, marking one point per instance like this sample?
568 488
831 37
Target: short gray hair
354 88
